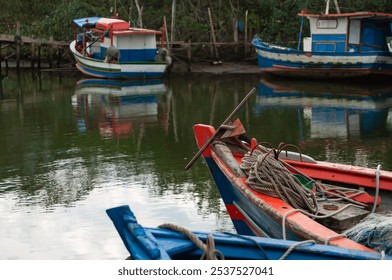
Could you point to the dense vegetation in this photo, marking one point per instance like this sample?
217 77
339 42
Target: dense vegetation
275 20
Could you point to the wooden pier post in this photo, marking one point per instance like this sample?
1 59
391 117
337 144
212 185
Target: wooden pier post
14 43
213 38
50 52
166 35
6 66
39 57
235 35
59 55
32 52
1 60
246 33
189 54
18 41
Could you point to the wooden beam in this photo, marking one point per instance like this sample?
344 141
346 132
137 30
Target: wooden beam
216 54
18 43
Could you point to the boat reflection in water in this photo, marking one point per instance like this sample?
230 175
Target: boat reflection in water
332 110
115 107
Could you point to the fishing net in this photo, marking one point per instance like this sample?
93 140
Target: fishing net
375 232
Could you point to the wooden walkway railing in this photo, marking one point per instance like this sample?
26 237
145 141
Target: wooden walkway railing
10 49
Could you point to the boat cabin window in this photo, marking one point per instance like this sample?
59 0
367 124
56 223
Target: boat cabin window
355 32
327 24
367 35
325 47
373 35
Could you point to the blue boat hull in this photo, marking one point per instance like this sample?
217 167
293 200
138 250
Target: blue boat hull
164 244
294 63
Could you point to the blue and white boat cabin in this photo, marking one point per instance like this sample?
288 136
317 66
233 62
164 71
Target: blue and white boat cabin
348 32
134 44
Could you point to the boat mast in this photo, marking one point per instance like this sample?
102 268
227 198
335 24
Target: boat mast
115 9
336 6
327 8
335 2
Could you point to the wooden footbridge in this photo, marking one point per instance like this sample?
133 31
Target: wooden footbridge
38 51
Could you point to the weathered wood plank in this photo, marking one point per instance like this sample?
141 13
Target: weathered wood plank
7 38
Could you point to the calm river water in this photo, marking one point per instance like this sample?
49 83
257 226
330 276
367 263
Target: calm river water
72 147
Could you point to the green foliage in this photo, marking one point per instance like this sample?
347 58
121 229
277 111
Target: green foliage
275 20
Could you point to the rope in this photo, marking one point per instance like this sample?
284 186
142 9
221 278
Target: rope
269 176
209 251
252 240
294 246
334 237
377 188
337 193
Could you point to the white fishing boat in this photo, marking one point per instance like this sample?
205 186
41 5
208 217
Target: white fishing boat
111 48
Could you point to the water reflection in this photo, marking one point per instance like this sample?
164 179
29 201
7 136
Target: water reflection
120 105
339 122
330 110
71 148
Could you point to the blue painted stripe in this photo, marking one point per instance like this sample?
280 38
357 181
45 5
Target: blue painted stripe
258 44
329 47
132 55
138 99
270 63
265 62
137 55
329 37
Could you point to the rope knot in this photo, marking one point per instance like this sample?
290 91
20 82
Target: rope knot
209 250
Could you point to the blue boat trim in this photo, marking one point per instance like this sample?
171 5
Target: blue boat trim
163 244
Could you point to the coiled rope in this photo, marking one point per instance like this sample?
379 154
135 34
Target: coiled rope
270 176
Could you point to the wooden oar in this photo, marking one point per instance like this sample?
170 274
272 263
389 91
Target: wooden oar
223 125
